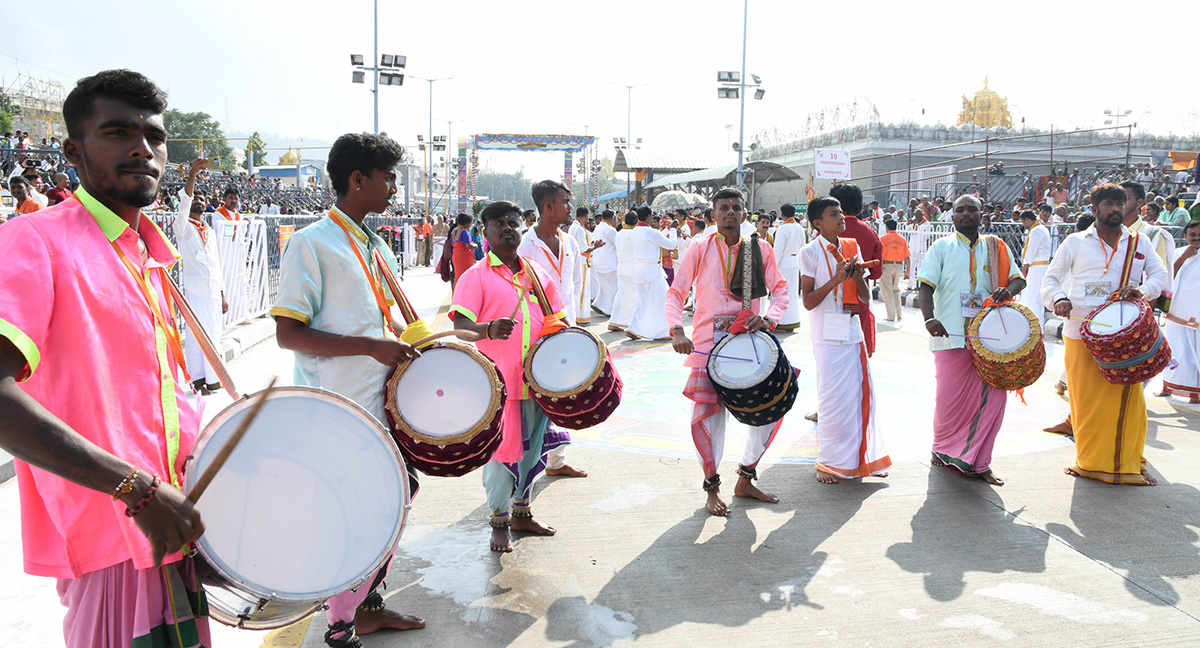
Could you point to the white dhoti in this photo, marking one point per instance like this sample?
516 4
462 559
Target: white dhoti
606 291
208 312
650 315
848 442
1182 329
1031 296
791 316
626 300
583 299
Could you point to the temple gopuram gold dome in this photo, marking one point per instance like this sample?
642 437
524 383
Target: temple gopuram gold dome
986 110
289 158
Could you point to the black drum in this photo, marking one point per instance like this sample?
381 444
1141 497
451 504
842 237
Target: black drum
753 377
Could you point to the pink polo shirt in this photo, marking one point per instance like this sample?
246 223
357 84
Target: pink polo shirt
706 264
94 356
487 291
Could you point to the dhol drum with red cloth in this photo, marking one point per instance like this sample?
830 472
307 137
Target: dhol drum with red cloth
309 505
572 377
446 408
1126 341
1006 346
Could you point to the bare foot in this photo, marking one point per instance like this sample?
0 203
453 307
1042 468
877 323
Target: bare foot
633 336
881 475
1162 394
992 479
1060 389
746 488
1194 400
811 417
716 505
934 460
367 622
501 541
1150 480
1061 428
530 525
614 327
566 471
826 478
1071 472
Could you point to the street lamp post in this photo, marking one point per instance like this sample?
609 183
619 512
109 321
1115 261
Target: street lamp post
451 148
376 68
628 128
733 86
1117 115
431 82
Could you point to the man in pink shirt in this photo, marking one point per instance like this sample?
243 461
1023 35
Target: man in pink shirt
92 400
703 267
495 303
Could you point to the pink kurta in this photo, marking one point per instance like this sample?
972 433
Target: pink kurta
81 321
487 291
704 264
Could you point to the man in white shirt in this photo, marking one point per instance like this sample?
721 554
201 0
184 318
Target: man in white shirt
269 208
1034 260
748 225
1161 239
789 238
545 244
649 315
1109 419
582 297
604 264
203 284
626 299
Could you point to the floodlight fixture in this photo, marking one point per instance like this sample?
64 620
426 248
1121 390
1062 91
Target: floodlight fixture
623 140
729 77
727 93
386 60
758 94
639 140
356 59
356 76
420 138
757 80
616 140
399 61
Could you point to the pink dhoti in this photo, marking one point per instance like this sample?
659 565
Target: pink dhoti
120 606
708 426
968 413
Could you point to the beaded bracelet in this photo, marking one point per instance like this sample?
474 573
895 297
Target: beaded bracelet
141 504
126 485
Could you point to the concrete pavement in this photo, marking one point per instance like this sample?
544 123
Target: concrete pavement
922 558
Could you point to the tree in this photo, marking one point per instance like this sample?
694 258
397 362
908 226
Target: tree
514 187
195 126
7 110
258 148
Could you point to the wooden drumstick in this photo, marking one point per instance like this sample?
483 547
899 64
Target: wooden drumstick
223 454
437 336
520 300
206 344
837 255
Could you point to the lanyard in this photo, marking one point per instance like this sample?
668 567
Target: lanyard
168 329
726 262
513 279
825 255
557 266
376 289
971 263
1104 249
202 228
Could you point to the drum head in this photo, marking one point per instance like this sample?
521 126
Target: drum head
447 392
1004 330
565 361
1114 317
733 363
311 501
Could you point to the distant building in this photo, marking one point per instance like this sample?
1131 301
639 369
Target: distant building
291 174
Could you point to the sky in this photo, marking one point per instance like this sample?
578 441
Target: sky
537 66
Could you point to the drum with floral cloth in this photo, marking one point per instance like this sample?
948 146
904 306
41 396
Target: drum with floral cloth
753 377
1006 346
1126 341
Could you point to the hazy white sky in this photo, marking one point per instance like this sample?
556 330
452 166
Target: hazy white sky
541 66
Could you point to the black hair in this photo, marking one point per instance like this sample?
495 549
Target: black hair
499 209
1136 188
788 210
581 211
850 196
362 152
606 214
1027 214
1189 225
1171 200
708 214
17 180
126 86
762 216
544 190
728 193
462 220
700 223
1044 207
527 213
890 224
230 191
1085 221
1107 191
631 219
643 213
817 207
1155 206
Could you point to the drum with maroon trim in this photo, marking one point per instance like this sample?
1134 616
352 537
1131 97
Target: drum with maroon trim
445 409
572 377
1126 341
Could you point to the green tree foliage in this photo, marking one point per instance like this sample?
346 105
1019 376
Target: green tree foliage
514 187
256 147
193 126
7 110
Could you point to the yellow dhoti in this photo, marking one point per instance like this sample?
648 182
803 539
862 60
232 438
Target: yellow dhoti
1109 421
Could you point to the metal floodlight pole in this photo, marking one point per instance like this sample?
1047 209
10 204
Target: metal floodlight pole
375 67
628 128
741 171
430 143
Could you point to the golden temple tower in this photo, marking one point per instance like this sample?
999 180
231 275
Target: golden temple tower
986 110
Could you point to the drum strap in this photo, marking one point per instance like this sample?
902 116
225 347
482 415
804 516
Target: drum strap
747 273
1127 269
376 289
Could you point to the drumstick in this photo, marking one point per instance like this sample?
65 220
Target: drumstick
980 337
438 336
223 454
725 357
520 299
1090 320
207 348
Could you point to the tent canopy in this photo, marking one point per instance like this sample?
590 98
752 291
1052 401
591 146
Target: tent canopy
614 195
760 172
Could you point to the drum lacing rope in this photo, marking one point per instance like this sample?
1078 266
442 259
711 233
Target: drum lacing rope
748 473
712 484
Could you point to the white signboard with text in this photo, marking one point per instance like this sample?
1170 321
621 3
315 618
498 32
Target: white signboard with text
833 163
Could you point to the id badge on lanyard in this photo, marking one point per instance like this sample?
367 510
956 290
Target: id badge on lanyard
721 324
835 326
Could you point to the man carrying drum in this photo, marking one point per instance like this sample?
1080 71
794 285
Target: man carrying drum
101 413
707 266
1109 419
336 322
493 299
955 274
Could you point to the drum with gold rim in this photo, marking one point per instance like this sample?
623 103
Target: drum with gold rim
572 377
1006 346
446 408
752 375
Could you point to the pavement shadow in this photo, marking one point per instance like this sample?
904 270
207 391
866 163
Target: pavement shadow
1146 532
957 531
729 579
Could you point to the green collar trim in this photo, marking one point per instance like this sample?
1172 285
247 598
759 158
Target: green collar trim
114 226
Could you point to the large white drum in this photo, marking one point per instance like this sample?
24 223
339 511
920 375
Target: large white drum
309 505
1006 346
752 375
566 362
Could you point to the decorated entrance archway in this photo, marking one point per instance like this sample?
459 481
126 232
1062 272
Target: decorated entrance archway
568 144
